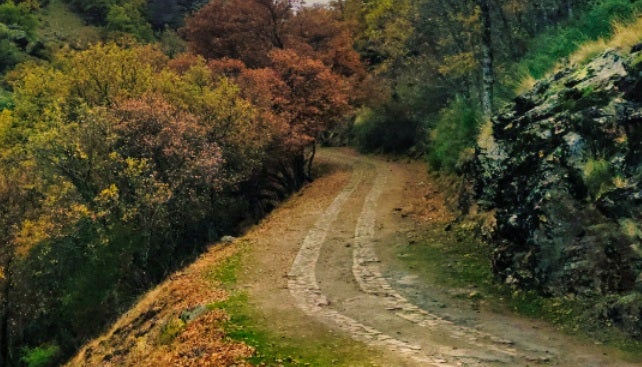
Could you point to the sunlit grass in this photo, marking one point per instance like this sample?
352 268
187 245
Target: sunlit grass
527 83
610 24
624 37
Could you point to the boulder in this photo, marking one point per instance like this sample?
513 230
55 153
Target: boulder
562 167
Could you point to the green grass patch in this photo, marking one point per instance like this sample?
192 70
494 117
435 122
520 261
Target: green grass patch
226 272
59 26
43 356
451 258
275 349
560 42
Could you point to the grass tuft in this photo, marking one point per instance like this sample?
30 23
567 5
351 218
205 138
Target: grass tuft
608 24
625 36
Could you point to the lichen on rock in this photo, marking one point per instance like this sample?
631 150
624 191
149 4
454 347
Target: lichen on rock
562 170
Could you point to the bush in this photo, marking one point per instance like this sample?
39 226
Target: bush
170 330
454 132
17 34
42 356
387 130
127 19
6 102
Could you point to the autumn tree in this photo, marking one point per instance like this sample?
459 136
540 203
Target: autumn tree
297 68
133 161
130 165
239 29
320 34
315 98
297 98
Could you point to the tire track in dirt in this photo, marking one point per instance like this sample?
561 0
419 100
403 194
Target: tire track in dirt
305 289
371 281
330 235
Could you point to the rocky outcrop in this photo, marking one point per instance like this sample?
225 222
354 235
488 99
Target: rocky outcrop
562 169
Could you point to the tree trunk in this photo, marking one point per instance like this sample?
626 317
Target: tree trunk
507 31
309 162
5 329
487 60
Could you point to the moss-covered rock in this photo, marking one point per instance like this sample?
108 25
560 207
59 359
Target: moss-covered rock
562 170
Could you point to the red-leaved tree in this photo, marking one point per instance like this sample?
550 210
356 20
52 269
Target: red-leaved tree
240 29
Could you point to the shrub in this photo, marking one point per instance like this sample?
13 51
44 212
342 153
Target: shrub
170 330
42 356
454 132
388 129
5 100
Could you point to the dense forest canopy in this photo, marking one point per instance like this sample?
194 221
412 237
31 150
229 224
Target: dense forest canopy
121 155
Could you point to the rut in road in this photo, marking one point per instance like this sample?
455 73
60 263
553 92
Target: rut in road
486 349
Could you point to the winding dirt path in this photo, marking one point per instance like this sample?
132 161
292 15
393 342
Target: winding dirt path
316 270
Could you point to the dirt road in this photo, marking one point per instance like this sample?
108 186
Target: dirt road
323 264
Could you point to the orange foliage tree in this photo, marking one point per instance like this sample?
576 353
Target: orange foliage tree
239 29
299 69
116 165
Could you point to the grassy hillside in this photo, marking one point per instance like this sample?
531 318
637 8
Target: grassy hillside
456 126
60 26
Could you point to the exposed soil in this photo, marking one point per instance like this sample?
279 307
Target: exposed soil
324 269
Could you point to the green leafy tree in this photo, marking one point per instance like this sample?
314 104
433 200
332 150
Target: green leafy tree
128 18
17 34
